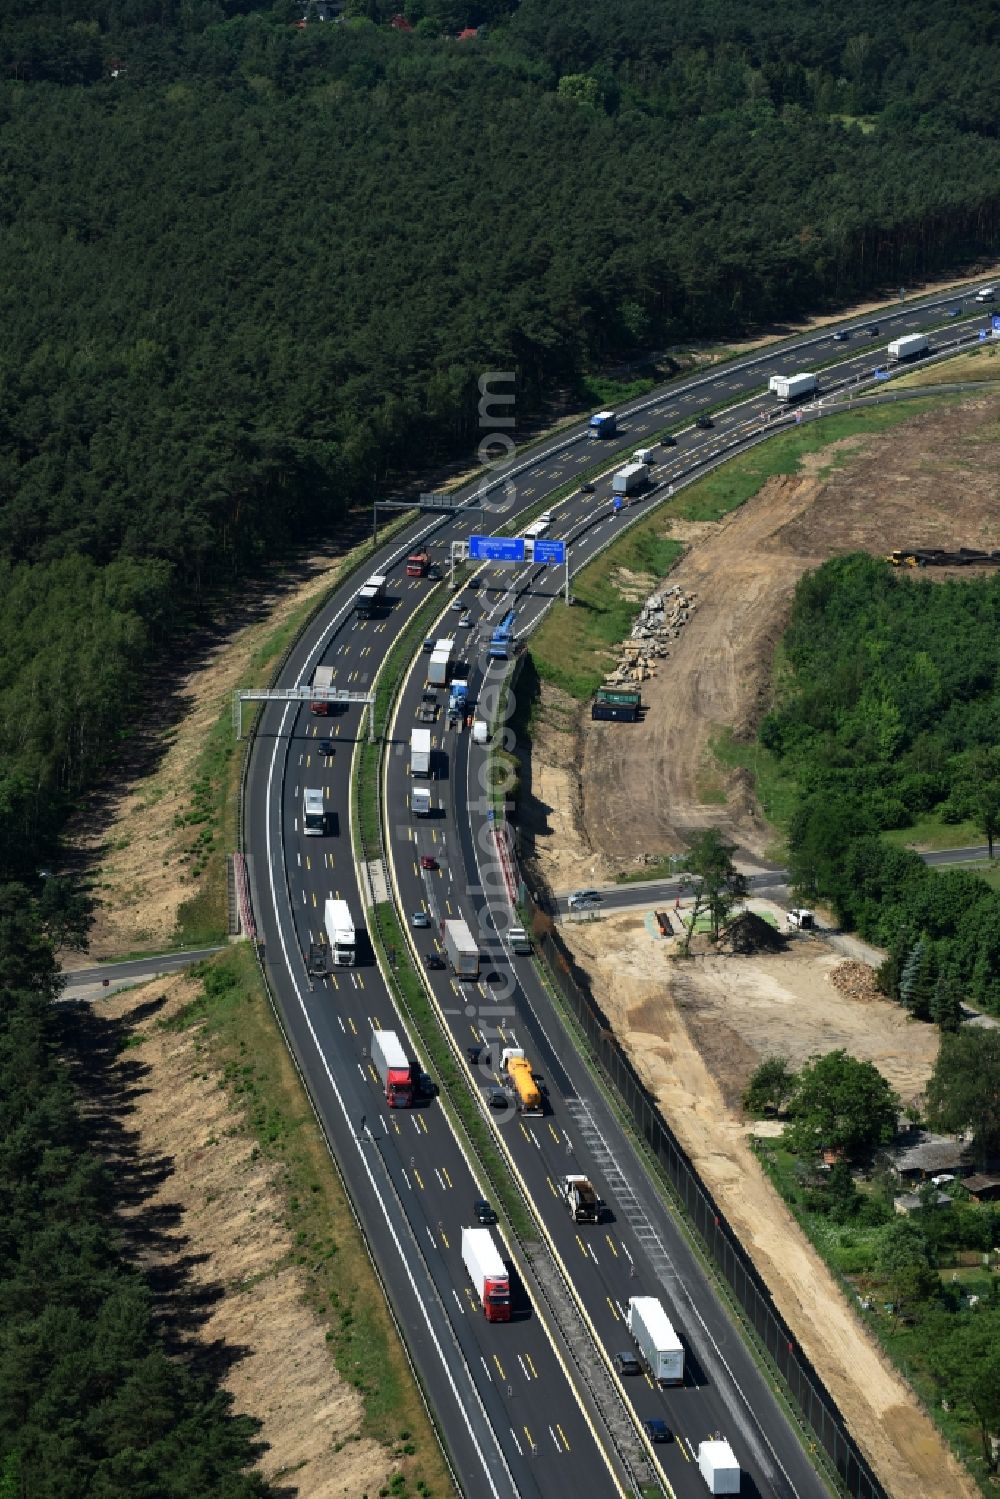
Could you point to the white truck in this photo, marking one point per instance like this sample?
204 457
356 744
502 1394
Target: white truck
370 597
480 731
644 455
718 1466
908 347
798 919
793 387
460 946
488 1273
439 669
630 478
986 294
420 801
313 812
339 926
578 1194
420 752
656 1340
393 1067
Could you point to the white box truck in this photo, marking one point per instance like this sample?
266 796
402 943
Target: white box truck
313 812
393 1067
480 731
644 455
630 478
488 1273
719 1468
439 669
793 387
909 347
420 752
460 945
420 801
339 926
656 1340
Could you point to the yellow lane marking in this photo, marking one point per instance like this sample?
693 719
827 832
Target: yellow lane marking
563 1435
444 1173
420 1180
614 1309
499 1366
553 1132
552 1187
351 1023
530 1363
611 1245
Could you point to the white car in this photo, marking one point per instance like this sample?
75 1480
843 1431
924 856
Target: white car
580 900
465 620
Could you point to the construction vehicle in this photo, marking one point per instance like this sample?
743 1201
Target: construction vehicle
418 564
322 678
516 1067
502 639
580 1198
938 557
488 1273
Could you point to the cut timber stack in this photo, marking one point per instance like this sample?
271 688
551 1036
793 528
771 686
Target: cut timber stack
856 980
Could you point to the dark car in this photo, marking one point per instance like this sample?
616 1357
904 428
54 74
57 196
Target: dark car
426 1086
669 441
872 330
327 747
474 1053
587 487
704 422
657 1430
627 1363
435 960
955 311
484 1213
428 861
841 336
473 584
498 1098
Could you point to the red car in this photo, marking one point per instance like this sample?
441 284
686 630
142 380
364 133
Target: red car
428 861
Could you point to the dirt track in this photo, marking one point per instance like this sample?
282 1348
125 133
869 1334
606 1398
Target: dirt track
606 795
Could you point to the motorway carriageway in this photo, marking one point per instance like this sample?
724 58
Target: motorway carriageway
514 1425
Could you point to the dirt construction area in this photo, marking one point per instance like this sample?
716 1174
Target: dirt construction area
608 795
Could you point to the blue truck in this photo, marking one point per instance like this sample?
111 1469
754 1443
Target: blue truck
502 639
602 424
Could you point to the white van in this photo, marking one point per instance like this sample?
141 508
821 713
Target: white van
986 294
480 731
644 455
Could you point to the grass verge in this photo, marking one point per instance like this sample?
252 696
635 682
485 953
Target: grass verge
931 833
241 1040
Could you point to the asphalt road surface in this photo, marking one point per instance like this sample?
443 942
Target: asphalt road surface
507 1395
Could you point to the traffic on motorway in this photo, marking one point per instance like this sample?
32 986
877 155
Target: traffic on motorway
520 1412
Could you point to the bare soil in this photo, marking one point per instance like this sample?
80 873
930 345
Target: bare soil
608 796
931 481
695 1030
230 1246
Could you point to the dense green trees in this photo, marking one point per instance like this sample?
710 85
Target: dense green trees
89 1398
840 1104
964 1089
892 710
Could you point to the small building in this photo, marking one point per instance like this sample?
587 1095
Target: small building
927 1155
912 1202
982 1188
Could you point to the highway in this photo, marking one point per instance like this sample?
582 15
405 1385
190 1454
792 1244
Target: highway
506 1395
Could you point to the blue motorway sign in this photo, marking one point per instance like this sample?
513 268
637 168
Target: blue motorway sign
496 548
983 335
552 553
881 374
996 324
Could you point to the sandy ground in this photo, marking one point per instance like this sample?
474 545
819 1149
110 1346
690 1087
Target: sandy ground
930 481
607 796
749 1006
229 1232
136 841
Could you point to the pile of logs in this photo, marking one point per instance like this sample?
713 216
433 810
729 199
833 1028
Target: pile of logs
856 980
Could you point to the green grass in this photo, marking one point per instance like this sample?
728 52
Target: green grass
774 788
931 833
239 1039
602 390
573 647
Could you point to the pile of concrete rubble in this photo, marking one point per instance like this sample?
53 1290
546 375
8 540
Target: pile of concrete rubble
661 619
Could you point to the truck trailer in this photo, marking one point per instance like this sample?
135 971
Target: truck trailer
487 1272
322 678
420 801
458 698
793 387
420 752
718 1466
602 424
370 597
392 1065
460 946
628 480
340 935
502 639
580 1198
439 669
418 564
909 347
515 1065
656 1340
